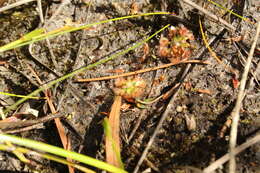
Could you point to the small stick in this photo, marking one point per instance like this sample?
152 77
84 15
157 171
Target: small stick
213 16
4 126
8 7
213 166
235 112
32 127
142 71
39 5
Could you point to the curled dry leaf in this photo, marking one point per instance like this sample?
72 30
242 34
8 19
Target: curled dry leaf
112 136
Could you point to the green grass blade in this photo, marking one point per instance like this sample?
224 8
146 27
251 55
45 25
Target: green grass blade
44 155
22 40
23 96
60 152
39 34
235 14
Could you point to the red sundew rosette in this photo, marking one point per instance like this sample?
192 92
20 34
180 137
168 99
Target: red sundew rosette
129 88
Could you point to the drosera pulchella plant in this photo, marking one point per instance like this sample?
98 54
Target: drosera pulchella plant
130 88
176 45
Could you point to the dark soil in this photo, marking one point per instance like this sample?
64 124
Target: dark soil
179 146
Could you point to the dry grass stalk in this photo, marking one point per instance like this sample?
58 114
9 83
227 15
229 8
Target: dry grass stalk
235 112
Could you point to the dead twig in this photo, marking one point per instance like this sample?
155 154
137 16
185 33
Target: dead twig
213 16
212 167
39 6
32 127
143 70
235 112
16 4
4 126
